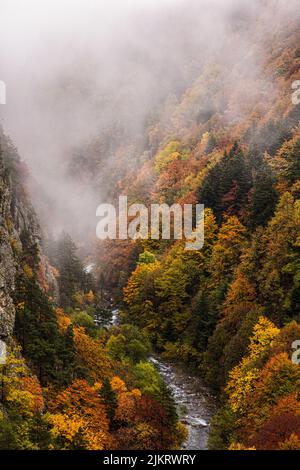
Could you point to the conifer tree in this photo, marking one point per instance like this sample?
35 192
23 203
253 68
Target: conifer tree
264 198
109 398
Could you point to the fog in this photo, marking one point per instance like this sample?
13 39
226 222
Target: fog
75 68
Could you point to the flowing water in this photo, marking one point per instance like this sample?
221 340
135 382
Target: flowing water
195 403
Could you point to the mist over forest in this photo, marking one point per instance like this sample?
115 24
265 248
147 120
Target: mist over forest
143 343
86 80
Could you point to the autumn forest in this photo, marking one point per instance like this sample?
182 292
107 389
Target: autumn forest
92 331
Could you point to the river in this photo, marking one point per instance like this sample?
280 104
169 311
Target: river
195 403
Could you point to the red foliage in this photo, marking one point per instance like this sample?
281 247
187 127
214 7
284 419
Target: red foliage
275 431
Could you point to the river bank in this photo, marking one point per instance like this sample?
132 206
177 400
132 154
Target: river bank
195 403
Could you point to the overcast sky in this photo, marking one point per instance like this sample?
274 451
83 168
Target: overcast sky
60 57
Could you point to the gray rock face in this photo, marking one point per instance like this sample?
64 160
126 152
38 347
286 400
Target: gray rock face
7 259
17 216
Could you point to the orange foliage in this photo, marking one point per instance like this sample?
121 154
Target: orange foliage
31 384
287 404
240 297
62 319
127 400
79 418
92 355
282 431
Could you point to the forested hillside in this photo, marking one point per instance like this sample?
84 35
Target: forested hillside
68 382
231 310
222 131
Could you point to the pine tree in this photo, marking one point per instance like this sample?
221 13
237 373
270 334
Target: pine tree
227 184
211 144
264 198
69 369
293 158
166 400
37 330
109 399
72 277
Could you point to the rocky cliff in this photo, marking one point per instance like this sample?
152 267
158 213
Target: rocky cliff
19 231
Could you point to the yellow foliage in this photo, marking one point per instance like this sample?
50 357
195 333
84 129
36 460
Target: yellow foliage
15 245
292 443
181 435
118 385
79 298
137 279
20 390
204 140
28 271
65 426
79 417
238 446
264 333
93 355
240 384
22 401
243 377
62 319
146 434
54 271
14 369
20 306
168 154
226 251
90 297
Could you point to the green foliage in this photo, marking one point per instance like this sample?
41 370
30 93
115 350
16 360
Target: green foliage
72 277
146 258
271 136
128 343
170 153
211 144
85 320
165 398
109 398
231 309
147 377
9 439
51 353
226 185
264 197
223 429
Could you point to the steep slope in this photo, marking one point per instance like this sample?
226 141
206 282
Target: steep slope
18 221
67 381
231 310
